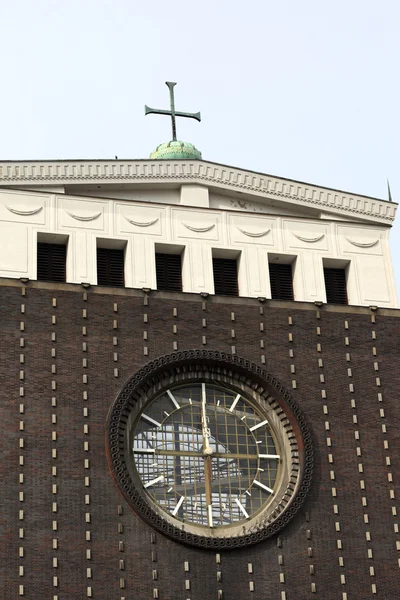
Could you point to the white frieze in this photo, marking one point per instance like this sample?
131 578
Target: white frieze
143 227
144 172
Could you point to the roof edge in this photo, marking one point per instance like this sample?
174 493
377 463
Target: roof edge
76 172
209 162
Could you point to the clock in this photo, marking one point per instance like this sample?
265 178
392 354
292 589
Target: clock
209 449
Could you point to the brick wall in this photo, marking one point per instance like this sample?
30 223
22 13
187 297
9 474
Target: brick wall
67 533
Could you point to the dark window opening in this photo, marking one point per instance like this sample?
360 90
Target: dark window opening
335 285
225 276
169 272
281 280
51 262
110 267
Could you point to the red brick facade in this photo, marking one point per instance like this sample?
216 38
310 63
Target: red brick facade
67 532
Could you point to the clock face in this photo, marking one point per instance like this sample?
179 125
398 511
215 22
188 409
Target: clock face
206 455
209 449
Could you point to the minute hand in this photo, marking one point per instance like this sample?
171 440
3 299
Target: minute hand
205 430
207 456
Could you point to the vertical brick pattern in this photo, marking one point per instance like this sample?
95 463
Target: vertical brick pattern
359 436
332 434
385 383
127 558
21 477
52 350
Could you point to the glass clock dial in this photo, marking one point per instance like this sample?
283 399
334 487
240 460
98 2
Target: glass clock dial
209 449
206 455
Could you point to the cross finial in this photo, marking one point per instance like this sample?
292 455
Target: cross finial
172 113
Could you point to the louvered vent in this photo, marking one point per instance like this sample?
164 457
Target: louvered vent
110 267
51 262
335 285
225 276
281 280
169 272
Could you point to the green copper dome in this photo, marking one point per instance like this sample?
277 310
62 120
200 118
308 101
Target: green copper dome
175 150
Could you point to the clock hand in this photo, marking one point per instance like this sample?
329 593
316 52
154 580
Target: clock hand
207 455
208 478
224 455
204 429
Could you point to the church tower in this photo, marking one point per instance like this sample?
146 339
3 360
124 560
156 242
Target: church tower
200 388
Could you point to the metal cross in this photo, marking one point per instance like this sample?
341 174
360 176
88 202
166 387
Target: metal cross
173 113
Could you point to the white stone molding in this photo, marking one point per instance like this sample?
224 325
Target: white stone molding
39 173
140 223
254 234
23 211
362 244
199 229
142 228
309 240
84 217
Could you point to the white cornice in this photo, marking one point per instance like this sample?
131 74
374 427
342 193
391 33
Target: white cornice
143 172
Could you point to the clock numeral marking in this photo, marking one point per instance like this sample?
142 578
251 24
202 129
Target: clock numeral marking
259 425
177 507
262 486
174 402
203 393
236 400
144 450
277 456
242 508
150 420
153 481
210 515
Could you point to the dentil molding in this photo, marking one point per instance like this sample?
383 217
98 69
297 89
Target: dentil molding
196 171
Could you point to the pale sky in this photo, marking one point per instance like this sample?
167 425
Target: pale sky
305 89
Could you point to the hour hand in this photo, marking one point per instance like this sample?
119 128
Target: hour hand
208 488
